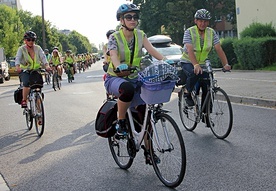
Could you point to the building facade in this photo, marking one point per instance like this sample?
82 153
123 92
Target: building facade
249 11
15 4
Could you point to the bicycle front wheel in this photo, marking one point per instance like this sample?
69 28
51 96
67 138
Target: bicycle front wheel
168 145
220 113
188 114
55 82
119 151
39 117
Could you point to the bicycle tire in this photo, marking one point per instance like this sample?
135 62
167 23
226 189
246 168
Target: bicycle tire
172 165
39 114
28 116
47 78
54 80
220 113
58 83
188 114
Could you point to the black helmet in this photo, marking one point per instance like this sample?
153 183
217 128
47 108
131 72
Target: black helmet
109 33
126 8
68 51
55 48
30 35
202 14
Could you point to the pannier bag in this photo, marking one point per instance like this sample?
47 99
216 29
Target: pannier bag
106 119
36 80
18 95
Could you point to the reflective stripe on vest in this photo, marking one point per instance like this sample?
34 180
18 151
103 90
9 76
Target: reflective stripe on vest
200 53
124 52
31 64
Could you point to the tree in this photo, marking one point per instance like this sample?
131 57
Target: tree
10 30
175 15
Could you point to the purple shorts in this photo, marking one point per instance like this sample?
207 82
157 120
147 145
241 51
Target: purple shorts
112 85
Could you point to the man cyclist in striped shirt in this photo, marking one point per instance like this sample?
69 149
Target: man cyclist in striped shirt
198 41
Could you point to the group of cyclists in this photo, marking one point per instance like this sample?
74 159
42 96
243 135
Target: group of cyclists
124 49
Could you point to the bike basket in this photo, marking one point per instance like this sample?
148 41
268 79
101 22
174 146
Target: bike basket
36 80
106 119
158 81
157 92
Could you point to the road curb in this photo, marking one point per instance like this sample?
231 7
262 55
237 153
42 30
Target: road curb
252 101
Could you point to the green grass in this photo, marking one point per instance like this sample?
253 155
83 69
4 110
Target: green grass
270 68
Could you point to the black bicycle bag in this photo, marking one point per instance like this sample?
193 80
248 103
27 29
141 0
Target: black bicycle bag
106 119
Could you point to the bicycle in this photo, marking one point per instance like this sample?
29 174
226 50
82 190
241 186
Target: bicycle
48 76
216 110
165 143
56 80
69 72
35 109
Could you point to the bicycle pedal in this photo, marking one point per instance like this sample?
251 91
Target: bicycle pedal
118 137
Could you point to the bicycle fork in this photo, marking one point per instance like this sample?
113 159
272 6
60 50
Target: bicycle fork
156 140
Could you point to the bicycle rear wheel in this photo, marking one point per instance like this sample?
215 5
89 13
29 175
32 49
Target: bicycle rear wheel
220 114
28 116
39 117
187 113
168 145
119 151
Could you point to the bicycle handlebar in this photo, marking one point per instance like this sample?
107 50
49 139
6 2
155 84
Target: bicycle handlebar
129 69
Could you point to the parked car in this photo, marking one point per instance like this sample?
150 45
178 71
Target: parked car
12 69
4 67
164 45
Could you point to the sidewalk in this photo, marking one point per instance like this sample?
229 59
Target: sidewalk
249 87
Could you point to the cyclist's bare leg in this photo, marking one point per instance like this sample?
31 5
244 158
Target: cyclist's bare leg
59 70
25 92
72 71
122 108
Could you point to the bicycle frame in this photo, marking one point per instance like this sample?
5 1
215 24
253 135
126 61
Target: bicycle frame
139 136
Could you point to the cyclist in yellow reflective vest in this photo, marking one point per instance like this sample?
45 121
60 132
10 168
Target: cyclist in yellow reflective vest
29 57
125 48
69 59
56 62
198 41
106 53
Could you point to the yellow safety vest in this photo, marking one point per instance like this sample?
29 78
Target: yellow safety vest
124 52
55 60
31 64
68 59
200 53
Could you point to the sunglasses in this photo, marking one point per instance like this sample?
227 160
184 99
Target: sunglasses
30 39
130 17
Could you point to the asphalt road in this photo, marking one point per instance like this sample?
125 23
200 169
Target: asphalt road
70 156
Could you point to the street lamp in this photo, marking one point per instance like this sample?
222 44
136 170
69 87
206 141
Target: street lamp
43 26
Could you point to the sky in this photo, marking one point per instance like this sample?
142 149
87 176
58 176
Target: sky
90 18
